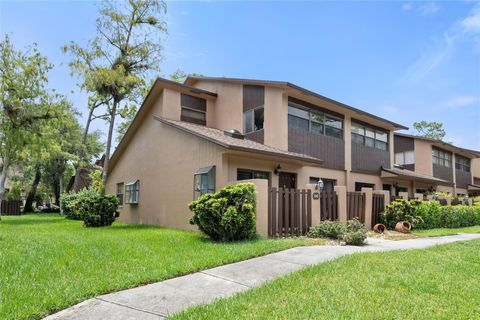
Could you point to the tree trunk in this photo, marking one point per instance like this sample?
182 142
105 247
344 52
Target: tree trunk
106 162
87 126
56 191
31 194
3 178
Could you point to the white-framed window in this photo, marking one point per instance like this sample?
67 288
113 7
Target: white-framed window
132 192
120 192
204 181
253 120
406 157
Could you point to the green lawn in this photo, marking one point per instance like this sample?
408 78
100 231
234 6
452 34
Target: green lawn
48 263
445 231
438 283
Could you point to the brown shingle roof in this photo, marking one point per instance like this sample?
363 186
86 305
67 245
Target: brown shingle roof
218 137
414 175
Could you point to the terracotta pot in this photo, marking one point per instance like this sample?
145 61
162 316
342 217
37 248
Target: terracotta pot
403 226
379 228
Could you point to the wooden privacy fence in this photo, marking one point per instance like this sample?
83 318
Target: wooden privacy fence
356 206
10 207
328 205
378 205
289 212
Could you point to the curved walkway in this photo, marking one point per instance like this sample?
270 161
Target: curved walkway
158 300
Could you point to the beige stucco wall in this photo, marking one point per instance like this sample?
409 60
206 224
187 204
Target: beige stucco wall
304 172
227 107
170 107
476 167
447 189
164 160
276 118
423 157
366 178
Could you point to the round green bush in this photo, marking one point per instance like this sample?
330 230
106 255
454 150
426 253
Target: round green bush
227 215
90 206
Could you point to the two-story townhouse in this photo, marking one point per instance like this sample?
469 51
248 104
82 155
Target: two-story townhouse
475 188
423 164
192 138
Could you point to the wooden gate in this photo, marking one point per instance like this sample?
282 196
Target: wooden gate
378 205
328 205
289 212
356 206
10 207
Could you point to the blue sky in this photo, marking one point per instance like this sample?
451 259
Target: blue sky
406 61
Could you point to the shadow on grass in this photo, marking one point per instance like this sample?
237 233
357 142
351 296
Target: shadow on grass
31 221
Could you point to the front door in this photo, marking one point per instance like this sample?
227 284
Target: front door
287 180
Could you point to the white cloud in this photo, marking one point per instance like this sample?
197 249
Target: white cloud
471 24
467 28
184 12
428 9
459 101
429 60
407 6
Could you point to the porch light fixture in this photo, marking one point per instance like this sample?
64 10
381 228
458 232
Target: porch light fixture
277 170
320 185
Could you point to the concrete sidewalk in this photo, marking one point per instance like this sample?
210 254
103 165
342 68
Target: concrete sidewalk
161 299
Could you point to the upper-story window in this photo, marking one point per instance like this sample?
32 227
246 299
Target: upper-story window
253 120
462 163
370 137
441 158
193 109
402 158
253 108
317 122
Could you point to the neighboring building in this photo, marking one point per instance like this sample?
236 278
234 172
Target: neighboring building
424 164
192 138
475 188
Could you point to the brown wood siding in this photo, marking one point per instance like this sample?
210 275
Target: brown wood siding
442 172
402 144
256 136
315 107
329 149
463 179
193 102
368 159
253 97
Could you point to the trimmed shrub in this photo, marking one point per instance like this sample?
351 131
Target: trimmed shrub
355 234
90 206
327 229
67 205
401 210
227 215
356 238
352 233
430 214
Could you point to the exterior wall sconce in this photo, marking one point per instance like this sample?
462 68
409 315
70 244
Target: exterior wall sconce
277 170
320 185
